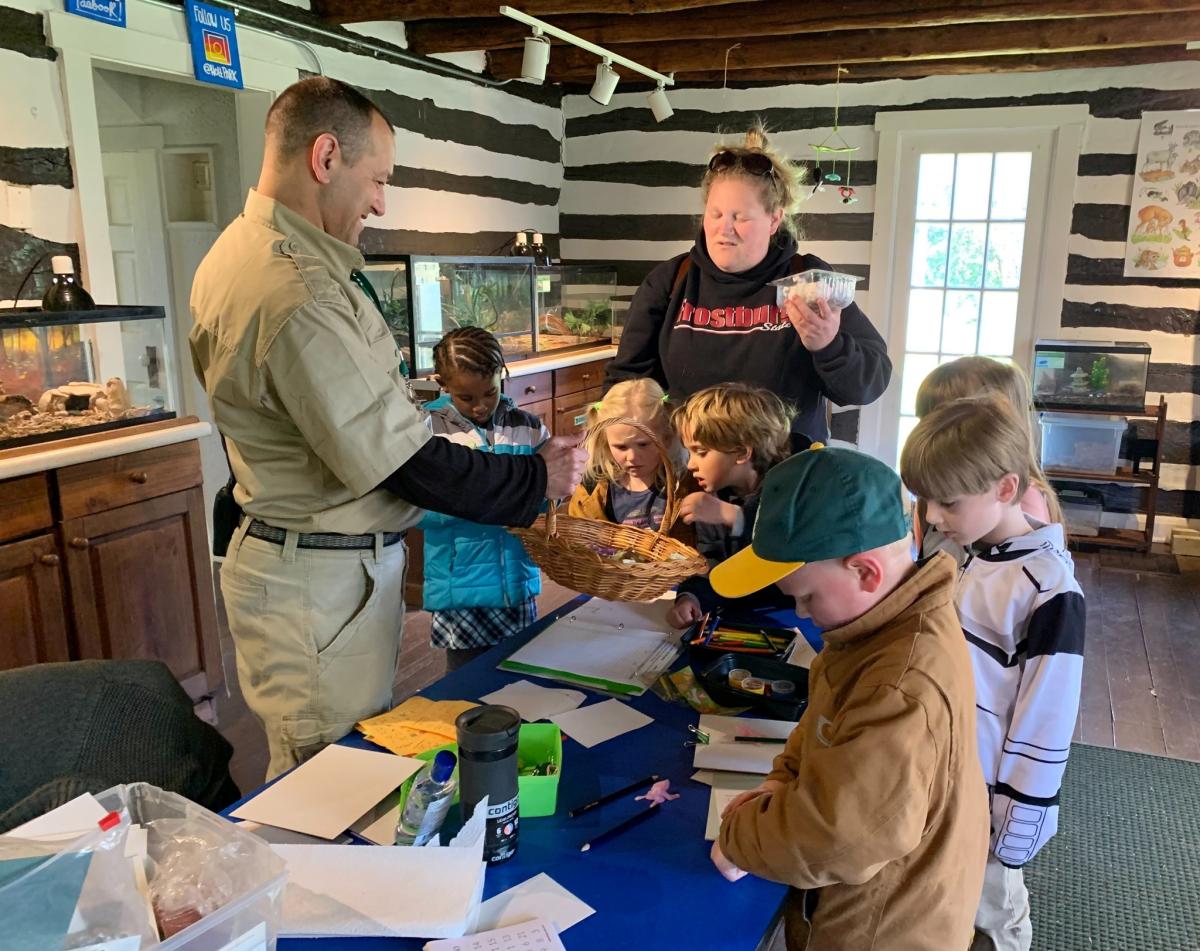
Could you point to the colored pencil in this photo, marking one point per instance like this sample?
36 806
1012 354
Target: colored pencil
624 790
636 819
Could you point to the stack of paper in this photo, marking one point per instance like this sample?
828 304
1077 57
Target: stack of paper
723 752
360 891
325 795
415 726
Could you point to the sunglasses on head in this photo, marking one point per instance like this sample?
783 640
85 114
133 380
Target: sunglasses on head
755 163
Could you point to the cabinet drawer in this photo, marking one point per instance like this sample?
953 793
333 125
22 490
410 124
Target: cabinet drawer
122 480
570 414
24 506
531 388
576 379
543 410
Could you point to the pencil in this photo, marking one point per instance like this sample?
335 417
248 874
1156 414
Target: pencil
636 819
624 790
760 739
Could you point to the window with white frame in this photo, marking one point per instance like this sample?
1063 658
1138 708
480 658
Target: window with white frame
969 252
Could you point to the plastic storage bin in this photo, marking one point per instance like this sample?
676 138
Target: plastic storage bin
832 286
93 881
1082 509
1081 443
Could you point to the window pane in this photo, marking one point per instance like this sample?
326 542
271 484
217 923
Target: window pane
917 366
929 255
999 328
924 320
962 322
1005 245
907 425
935 181
972 185
966 255
1010 187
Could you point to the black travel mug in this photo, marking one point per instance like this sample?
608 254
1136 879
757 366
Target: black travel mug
487 758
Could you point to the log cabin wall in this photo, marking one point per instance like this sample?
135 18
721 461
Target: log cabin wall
631 199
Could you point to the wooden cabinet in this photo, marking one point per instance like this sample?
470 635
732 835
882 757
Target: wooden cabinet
115 565
559 397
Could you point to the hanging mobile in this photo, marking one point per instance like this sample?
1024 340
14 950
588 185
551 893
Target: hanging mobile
836 146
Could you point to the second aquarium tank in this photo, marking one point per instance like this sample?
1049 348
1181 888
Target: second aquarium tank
531 309
1088 374
69 373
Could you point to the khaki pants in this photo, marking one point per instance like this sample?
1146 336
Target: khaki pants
317 633
1002 921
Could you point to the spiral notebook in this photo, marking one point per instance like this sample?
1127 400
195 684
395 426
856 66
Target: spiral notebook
614 646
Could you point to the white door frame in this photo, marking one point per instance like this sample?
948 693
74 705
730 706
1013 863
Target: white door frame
153 44
896 130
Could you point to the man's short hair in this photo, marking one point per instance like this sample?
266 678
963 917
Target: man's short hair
318 105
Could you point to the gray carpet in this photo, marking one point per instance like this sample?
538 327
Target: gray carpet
1123 873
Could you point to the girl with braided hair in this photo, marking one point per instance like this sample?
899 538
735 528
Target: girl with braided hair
480 586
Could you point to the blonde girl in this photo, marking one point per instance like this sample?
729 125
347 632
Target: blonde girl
625 481
974 376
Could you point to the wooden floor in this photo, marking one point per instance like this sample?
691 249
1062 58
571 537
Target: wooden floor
1141 680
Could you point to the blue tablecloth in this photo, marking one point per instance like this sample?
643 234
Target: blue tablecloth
653 886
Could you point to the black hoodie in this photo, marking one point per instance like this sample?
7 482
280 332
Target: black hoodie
717 327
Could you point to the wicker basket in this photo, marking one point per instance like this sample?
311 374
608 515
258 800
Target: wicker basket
564 546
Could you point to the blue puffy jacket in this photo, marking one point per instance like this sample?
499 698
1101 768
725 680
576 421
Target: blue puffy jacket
479 566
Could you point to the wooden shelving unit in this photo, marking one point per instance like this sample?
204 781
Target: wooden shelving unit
1122 537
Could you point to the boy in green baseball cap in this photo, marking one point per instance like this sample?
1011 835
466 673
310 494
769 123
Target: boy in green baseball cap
875 812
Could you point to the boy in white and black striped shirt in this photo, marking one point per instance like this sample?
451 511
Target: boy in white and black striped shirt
1022 612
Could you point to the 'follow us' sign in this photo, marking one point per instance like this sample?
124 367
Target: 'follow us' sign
212 32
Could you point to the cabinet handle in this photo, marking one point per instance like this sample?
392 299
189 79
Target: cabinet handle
141 478
586 376
78 542
530 389
50 561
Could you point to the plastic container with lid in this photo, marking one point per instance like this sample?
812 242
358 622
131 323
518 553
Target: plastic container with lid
1081 443
832 286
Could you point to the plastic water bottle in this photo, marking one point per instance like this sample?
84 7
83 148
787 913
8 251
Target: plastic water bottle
428 801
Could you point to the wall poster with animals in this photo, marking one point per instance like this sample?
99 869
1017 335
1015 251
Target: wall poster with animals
1164 215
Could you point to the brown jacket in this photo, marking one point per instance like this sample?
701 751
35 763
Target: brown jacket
884 819
592 502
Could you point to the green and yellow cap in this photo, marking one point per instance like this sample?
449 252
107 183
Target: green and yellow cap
819 504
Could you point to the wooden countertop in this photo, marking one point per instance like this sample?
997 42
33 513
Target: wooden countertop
74 450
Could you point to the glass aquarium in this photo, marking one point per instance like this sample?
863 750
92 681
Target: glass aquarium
574 306
1088 374
68 373
531 310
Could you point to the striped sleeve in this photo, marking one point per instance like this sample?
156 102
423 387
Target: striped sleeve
1034 756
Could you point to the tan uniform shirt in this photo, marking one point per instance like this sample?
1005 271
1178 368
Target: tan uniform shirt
302 375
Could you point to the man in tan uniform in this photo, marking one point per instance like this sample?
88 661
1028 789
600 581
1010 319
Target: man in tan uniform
332 459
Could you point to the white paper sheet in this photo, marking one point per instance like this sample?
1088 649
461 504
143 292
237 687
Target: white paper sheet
534 702
615 642
323 796
722 796
538 897
535 935
589 726
69 821
802 653
363 890
722 752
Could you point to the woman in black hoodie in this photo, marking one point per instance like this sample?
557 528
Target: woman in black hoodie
710 316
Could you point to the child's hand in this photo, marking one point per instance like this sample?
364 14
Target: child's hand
766 788
817 324
685 611
724 866
702 507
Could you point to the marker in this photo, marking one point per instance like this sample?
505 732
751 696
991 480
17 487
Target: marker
635 819
760 739
623 791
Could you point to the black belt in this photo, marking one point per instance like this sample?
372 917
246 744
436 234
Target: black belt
269 533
